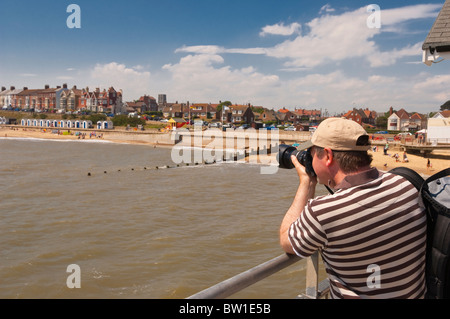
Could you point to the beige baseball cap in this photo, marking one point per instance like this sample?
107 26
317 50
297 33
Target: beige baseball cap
339 134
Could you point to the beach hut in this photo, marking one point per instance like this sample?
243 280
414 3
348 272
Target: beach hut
77 124
48 123
41 123
35 123
23 122
108 125
29 122
105 125
176 123
86 124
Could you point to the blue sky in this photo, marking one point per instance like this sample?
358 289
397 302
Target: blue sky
304 54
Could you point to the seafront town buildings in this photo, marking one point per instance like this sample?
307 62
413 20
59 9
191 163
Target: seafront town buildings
63 99
404 121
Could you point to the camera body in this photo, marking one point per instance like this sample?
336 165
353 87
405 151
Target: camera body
304 158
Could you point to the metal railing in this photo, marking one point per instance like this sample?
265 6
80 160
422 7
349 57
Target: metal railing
314 288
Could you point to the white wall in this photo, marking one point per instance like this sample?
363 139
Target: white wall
438 130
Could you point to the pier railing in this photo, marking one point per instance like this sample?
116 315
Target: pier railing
314 289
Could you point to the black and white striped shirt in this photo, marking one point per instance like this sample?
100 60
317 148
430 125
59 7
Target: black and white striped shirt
372 236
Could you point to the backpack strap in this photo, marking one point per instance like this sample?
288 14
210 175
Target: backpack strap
411 175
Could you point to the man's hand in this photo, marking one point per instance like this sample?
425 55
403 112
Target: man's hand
301 172
306 190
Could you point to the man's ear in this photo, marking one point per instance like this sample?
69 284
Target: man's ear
329 156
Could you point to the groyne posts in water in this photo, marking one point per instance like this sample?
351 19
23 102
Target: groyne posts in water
314 288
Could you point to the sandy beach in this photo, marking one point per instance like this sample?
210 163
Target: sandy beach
439 160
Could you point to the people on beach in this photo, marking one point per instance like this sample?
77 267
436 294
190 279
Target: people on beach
396 157
367 228
386 147
405 157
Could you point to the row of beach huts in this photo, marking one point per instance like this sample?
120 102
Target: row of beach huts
66 124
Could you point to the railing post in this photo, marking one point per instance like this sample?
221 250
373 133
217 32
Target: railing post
312 276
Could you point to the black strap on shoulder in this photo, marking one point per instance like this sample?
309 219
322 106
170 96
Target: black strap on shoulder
411 175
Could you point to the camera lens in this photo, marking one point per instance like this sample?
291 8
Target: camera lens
284 156
303 157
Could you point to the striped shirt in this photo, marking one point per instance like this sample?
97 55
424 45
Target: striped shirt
372 236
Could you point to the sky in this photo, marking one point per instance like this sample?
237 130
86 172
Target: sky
328 55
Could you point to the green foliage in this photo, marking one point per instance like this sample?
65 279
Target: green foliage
259 110
124 120
97 117
155 113
381 122
221 105
445 106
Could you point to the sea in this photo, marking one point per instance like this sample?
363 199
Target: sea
93 219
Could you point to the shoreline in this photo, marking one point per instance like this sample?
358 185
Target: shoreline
439 160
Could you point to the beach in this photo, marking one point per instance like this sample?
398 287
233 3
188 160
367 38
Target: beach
439 159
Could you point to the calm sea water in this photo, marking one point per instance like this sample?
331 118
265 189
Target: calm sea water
135 232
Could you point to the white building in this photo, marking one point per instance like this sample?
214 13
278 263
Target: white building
439 128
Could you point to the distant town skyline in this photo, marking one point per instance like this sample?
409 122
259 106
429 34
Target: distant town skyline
322 55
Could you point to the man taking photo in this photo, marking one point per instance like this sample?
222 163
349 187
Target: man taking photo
373 224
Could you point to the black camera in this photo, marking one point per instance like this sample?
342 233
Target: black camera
303 157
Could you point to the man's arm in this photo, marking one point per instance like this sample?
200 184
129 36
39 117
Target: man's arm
305 191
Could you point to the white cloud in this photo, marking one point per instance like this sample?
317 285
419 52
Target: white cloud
433 84
346 36
133 82
207 78
326 8
281 29
391 57
334 38
202 78
214 49
201 49
392 19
